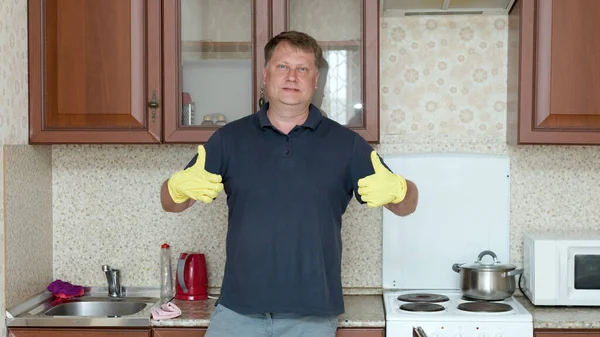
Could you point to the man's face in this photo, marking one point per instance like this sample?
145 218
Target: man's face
291 76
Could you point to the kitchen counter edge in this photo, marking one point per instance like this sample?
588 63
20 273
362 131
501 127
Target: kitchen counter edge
562 317
362 311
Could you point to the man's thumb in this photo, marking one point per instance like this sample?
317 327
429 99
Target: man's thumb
377 165
201 159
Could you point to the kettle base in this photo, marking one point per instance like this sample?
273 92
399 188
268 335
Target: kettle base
191 297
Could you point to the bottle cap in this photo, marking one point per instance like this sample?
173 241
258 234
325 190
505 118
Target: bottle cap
165 245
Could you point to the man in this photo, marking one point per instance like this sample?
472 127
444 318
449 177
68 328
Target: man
289 174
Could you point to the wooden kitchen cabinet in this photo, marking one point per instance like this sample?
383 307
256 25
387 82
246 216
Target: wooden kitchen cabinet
200 332
554 72
566 333
139 71
178 332
360 332
94 71
58 332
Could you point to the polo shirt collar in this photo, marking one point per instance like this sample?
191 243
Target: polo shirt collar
315 117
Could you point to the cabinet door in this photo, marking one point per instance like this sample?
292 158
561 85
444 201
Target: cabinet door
213 54
555 98
348 32
179 332
347 332
94 66
33 332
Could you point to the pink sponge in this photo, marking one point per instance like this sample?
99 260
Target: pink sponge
65 289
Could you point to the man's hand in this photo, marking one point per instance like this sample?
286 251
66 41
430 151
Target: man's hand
195 182
382 187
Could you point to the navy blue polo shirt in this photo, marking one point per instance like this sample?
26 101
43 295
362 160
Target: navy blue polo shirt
286 195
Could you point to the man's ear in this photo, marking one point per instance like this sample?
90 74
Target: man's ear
265 74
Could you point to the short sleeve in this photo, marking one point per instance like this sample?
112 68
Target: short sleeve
214 155
360 164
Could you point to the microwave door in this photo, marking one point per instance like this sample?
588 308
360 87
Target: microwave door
583 276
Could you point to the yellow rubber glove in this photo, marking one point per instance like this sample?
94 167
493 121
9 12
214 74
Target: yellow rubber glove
195 182
382 187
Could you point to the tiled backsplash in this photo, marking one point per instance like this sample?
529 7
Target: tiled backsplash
443 88
107 211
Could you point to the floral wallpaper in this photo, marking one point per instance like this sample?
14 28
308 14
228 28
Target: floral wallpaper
444 76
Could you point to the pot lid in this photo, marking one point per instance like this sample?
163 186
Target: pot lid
495 266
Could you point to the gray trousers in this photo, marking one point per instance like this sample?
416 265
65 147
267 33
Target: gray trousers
228 323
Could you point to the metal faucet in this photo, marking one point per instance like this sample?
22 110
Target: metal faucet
113 276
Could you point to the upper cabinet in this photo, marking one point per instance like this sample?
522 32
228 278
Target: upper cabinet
145 71
212 64
214 59
348 33
554 72
94 71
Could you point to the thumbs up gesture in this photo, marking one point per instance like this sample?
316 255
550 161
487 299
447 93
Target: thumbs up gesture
382 187
195 182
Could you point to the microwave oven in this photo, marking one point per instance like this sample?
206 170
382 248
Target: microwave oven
561 269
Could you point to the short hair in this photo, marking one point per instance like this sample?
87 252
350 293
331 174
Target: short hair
297 40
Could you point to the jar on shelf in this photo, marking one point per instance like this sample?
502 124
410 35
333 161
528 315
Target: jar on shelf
221 120
207 121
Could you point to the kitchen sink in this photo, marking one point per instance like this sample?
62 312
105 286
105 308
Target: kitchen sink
94 308
97 308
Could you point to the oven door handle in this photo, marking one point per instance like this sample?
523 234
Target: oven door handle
419 332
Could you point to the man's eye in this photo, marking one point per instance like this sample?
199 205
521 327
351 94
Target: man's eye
303 69
282 66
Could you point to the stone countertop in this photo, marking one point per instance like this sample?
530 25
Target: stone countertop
362 311
562 317
366 311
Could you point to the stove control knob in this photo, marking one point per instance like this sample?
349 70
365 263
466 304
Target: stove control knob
498 335
458 335
483 334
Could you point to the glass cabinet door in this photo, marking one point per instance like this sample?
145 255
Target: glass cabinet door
216 61
210 63
348 33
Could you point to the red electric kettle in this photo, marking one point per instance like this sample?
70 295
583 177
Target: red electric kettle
191 280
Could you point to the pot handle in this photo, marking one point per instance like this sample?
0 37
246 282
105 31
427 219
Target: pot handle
513 273
456 267
487 252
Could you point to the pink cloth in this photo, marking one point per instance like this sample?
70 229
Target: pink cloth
166 311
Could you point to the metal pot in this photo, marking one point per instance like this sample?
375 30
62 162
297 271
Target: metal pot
489 282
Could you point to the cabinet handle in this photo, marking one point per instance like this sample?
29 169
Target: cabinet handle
153 104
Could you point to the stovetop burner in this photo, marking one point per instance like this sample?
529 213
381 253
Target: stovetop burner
423 298
466 298
481 306
422 307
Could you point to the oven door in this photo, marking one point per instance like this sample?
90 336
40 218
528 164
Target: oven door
580 279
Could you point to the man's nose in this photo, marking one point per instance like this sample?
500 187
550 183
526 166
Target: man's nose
291 74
